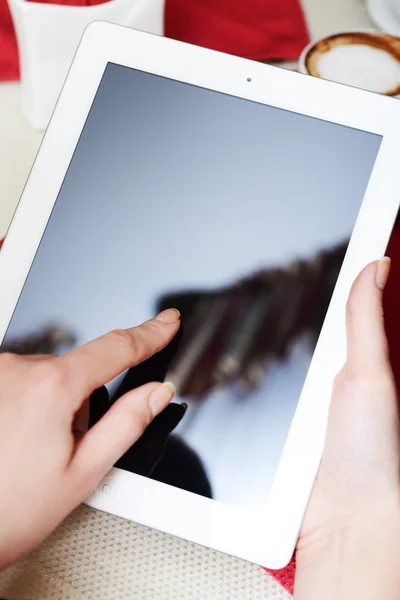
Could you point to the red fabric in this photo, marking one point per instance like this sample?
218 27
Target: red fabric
9 67
285 576
263 30
259 29
392 302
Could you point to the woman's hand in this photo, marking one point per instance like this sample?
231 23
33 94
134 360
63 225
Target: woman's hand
48 463
349 545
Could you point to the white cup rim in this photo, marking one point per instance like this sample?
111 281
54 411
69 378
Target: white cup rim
302 59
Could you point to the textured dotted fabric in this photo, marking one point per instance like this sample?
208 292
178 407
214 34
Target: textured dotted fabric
93 555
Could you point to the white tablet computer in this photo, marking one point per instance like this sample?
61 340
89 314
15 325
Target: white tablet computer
171 175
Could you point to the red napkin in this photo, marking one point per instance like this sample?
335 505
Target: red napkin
9 67
259 29
265 30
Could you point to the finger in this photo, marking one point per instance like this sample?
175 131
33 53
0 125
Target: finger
99 361
367 346
120 427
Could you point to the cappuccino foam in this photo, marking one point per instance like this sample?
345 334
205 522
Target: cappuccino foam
362 66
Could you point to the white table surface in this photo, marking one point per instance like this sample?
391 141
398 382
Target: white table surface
19 143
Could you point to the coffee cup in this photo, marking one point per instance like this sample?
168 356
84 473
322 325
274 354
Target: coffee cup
364 59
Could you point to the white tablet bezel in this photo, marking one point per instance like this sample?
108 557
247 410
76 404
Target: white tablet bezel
268 538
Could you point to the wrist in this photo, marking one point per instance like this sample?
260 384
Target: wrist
359 559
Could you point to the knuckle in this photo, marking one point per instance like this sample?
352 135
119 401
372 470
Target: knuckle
355 382
154 334
136 425
346 381
138 420
8 362
51 374
123 338
153 326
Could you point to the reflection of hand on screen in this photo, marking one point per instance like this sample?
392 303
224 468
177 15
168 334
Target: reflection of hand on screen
231 334
156 453
49 340
143 456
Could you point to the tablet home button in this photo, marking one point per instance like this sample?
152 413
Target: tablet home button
106 488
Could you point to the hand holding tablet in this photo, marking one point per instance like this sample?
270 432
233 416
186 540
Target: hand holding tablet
170 171
349 540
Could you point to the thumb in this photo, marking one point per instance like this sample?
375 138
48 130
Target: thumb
367 347
116 431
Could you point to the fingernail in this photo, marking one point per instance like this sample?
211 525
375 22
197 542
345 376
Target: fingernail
382 272
161 397
168 316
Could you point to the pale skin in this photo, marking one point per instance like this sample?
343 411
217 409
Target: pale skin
48 464
349 546
350 538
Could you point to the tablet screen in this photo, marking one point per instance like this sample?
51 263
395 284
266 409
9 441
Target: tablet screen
236 213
